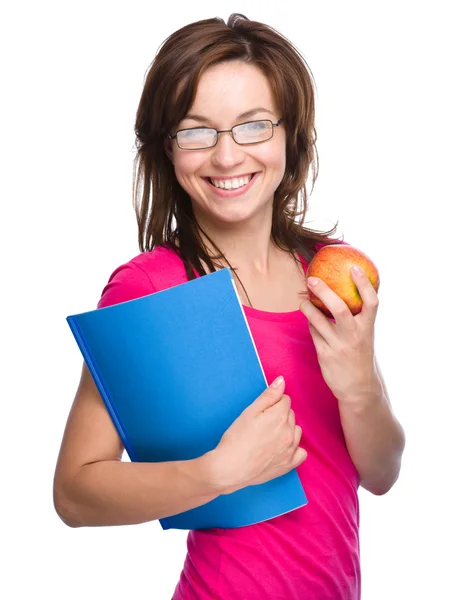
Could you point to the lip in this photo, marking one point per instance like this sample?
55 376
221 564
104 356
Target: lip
223 193
222 178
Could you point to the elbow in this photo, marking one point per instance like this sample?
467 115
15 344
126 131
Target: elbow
380 491
382 485
69 522
65 508
378 488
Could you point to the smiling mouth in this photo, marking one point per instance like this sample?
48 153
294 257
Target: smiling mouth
231 184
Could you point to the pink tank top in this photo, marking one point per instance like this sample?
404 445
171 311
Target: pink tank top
312 552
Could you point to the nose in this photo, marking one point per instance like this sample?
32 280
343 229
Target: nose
227 153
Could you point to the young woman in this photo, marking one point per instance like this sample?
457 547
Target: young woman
226 139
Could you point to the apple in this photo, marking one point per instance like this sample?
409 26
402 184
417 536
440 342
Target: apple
332 264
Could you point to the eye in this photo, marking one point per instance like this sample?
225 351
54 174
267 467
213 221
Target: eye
196 138
193 132
255 126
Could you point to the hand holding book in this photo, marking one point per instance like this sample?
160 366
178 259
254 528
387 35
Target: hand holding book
260 445
181 378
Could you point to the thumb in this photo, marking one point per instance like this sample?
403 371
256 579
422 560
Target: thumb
271 395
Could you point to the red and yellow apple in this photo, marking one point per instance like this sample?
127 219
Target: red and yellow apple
332 264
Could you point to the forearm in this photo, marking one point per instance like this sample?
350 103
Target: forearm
126 493
375 441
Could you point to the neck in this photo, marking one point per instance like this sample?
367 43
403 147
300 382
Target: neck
248 248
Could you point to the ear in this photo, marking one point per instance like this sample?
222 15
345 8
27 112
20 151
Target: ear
168 148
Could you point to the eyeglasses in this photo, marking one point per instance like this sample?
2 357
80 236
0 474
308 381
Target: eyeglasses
200 138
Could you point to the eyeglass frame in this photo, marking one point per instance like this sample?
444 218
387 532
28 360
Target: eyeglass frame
277 124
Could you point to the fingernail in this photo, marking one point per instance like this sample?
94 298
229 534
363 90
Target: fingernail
312 281
277 382
357 270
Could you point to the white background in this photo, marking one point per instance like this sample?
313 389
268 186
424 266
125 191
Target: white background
392 139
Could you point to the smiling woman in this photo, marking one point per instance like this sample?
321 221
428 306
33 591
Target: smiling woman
253 152
226 141
210 78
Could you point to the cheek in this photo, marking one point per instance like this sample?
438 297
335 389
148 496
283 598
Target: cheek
275 159
186 164
274 155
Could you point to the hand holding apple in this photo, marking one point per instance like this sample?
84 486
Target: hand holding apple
332 264
344 342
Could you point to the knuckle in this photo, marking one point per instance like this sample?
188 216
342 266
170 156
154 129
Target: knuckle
341 310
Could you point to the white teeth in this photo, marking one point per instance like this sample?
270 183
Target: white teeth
231 184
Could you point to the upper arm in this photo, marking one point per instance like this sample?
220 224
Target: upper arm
90 435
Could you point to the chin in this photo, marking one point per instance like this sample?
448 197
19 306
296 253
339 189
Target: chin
228 214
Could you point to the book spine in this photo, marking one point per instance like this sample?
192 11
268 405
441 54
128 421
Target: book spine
248 327
105 395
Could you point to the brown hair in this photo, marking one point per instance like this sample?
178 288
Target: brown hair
163 208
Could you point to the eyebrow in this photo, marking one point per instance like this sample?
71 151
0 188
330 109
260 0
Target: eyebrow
244 115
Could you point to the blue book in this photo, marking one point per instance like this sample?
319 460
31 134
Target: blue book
175 369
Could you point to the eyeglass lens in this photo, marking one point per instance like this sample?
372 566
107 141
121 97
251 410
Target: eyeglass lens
246 133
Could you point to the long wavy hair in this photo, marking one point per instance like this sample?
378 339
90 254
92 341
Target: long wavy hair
163 208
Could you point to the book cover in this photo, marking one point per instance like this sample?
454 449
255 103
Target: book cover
175 368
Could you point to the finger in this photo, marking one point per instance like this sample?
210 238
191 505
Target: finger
319 326
338 307
322 324
370 300
292 419
297 435
271 396
299 457
281 407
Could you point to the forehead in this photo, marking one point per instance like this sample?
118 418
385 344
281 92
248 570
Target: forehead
229 89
